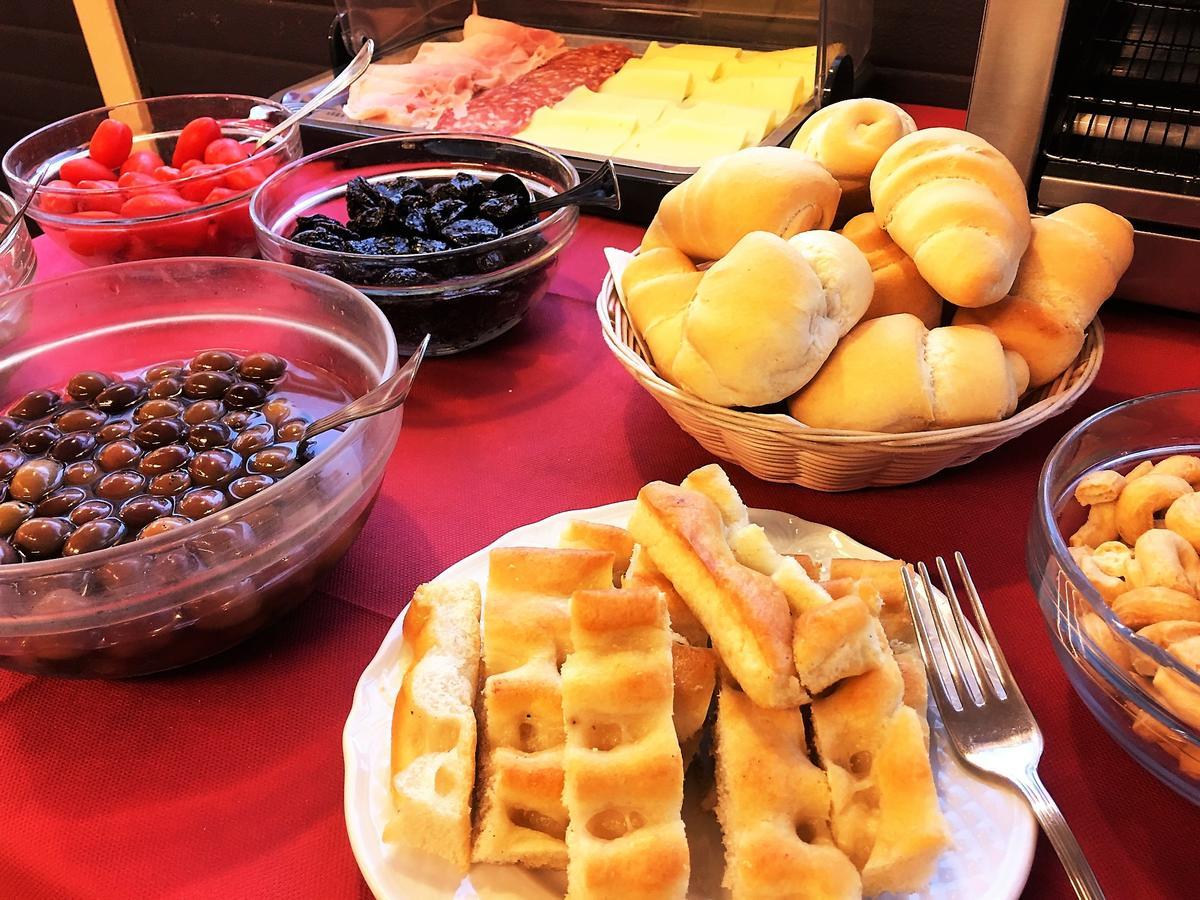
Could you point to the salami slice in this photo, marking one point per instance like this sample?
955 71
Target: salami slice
507 109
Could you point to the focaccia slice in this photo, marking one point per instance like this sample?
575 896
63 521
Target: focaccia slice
433 723
583 535
774 807
623 769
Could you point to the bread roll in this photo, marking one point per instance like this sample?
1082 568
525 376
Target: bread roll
848 138
899 287
953 203
894 375
1074 261
757 325
770 189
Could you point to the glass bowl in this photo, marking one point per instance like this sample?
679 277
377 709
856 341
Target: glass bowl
165 601
88 223
1092 644
18 262
481 291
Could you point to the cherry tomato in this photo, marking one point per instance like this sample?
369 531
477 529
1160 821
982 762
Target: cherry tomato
184 234
167 173
191 164
234 221
157 203
243 178
144 161
84 168
52 201
107 202
225 152
195 137
96 240
138 182
199 180
111 143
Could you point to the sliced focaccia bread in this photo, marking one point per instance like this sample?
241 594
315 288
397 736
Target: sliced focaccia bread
583 535
623 770
433 723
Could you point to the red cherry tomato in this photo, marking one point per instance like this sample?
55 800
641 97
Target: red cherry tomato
167 173
138 182
84 168
225 152
157 203
96 240
185 234
144 161
111 143
107 202
52 200
195 137
234 221
244 178
198 181
191 164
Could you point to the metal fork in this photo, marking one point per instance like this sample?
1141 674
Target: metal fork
988 721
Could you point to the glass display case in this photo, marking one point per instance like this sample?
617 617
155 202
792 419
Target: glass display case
658 86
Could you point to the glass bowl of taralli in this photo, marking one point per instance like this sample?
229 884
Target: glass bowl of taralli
1113 554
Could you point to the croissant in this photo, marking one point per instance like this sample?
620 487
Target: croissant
953 203
770 189
1073 263
899 287
848 138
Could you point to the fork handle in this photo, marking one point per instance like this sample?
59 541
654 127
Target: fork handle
1083 879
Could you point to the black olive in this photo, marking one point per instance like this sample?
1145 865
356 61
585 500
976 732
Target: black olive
468 186
8 428
467 232
427 245
417 223
319 240
86 385
404 276
34 405
324 223
444 212
119 396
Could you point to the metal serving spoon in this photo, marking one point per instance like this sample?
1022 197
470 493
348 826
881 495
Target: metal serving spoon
387 396
20 213
345 78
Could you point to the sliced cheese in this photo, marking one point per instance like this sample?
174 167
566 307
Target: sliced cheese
781 93
662 84
697 66
644 109
806 55
766 65
694 51
683 143
756 120
584 131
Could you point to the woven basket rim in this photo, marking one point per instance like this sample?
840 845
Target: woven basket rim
1059 394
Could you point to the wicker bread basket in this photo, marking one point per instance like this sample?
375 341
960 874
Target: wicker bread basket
776 447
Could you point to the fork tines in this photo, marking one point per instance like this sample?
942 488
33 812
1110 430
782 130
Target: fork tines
969 670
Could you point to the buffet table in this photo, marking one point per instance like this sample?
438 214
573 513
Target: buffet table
225 779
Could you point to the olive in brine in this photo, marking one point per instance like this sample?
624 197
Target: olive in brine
169 484
213 361
162 526
140 511
165 370
157 409
8 428
99 534
207 435
73 446
12 514
158 433
87 385
80 420
165 388
240 419
83 472
39 439
249 485
7 554
119 396
254 438
35 479
34 405
245 395
118 454
164 459
293 429
278 410
90 509
275 461
204 411
207 385
41 538
114 431
117 486
10 460
62 501
262 367
201 502
216 466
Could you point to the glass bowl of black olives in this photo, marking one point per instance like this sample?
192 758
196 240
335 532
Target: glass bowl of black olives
435 229
158 499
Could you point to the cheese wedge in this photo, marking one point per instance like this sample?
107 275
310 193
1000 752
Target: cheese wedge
781 93
694 51
661 84
644 109
699 67
683 143
584 131
757 120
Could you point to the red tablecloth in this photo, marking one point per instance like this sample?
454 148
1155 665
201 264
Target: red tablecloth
225 779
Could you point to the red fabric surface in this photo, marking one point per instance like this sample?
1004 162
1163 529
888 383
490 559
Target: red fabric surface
225 779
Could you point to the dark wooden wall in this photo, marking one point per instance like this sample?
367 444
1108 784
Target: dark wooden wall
923 50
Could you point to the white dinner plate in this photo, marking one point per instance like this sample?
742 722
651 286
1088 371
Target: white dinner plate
992 829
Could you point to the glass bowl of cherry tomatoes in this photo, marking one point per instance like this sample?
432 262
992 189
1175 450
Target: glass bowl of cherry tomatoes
168 176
